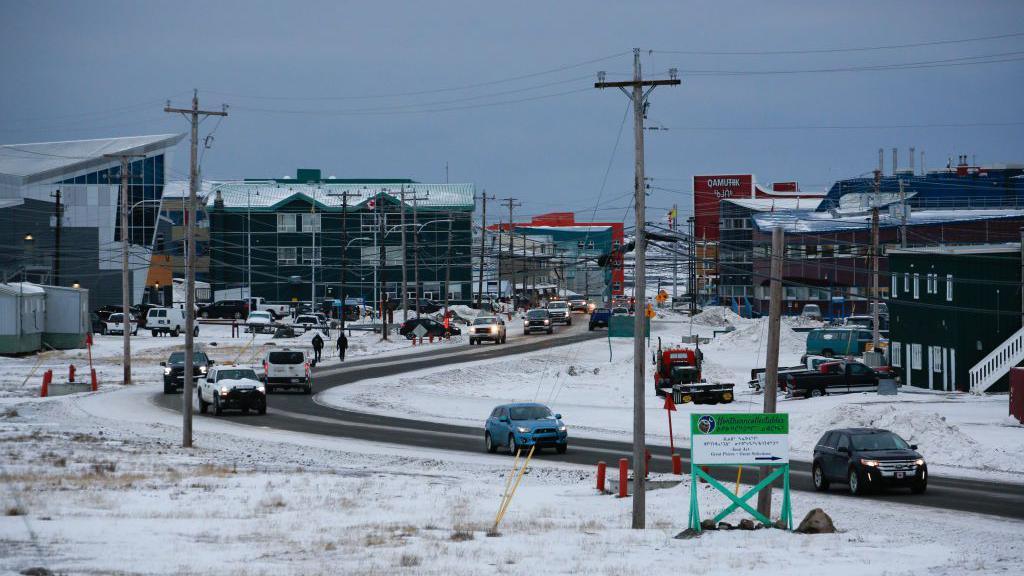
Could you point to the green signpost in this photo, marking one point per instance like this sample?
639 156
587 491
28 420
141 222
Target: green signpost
739 440
622 327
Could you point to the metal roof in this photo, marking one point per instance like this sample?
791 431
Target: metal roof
1007 248
268 195
26 163
810 222
769 204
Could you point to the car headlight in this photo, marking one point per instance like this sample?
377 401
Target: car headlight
869 463
494 329
262 389
547 322
223 391
919 461
522 430
202 369
561 428
167 371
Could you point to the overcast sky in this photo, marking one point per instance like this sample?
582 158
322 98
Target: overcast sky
314 84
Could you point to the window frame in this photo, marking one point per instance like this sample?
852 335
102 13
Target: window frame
283 259
915 357
949 287
917 286
282 223
311 255
304 221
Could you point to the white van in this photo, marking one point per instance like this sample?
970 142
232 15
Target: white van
166 321
287 368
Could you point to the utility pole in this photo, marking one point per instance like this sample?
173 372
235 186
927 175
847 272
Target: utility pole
674 224
312 257
344 251
415 255
903 214
483 244
641 89
193 114
511 203
125 240
499 258
771 366
405 260
448 266
58 212
874 259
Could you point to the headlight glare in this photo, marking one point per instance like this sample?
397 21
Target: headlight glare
202 369
919 461
869 463
561 428
522 429
167 371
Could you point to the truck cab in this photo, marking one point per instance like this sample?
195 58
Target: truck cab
678 372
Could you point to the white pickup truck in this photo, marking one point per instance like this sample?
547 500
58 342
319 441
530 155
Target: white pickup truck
278 311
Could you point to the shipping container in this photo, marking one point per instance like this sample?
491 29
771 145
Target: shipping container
67 317
22 318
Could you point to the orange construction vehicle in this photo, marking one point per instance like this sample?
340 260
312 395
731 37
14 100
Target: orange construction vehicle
678 372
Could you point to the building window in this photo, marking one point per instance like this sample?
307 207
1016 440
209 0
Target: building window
936 354
915 356
917 286
370 256
310 222
368 223
895 282
949 287
896 354
286 255
286 222
393 256
310 255
933 283
906 282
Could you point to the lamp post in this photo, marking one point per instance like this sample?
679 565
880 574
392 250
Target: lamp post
344 251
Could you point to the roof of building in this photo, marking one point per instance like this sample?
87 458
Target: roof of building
807 221
770 204
1005 248
12 288
25 163
580 229
268 195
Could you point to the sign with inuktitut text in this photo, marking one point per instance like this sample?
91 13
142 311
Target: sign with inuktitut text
740 439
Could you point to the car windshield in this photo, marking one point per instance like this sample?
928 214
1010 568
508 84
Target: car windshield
601 311
179 357
116 317
239 374
537 314
259 315
530 413
285 358
485 321
621 311
557 305
881 441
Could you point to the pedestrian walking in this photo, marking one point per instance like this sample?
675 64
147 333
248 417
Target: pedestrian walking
318 346
342 346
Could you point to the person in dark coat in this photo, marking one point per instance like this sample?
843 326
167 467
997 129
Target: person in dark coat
318 346
342 345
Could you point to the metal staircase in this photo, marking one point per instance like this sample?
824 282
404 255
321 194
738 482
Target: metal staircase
997 363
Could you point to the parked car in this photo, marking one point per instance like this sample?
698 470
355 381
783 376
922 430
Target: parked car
311 322
115 325
167 321
517 426
287 369
260 322
106 310
600 317
559 311
867 322
867 458
278 311
810 363
232 387
832 378
837 341
578 305
538 320
620 311
427 306
812 311
234 309
174 370
489 328
95 324
432 327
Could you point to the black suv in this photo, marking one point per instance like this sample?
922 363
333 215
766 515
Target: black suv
174 370
432 327
867 458
237 309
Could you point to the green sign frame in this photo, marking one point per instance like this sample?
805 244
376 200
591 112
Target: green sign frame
622 327
768 432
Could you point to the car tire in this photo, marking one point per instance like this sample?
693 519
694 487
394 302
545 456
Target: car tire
919 487
308 389
217 409
168 389
817 393
511 445
551 330
471 341
561 448
489 443
263 408
154 333
819 478
103 330
195 332
175 332
568 322
856 482
205 315
203 404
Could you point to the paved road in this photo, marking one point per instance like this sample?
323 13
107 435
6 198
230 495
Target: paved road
300 413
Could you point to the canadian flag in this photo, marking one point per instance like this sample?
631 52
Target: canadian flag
371 204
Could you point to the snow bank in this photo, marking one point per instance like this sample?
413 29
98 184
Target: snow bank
753 335
719 316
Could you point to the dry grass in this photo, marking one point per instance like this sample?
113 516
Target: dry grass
461 536
409 561
15 511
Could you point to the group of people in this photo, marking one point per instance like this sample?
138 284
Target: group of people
318 346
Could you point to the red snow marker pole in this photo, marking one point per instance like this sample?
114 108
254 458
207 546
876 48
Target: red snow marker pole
45 390
95 383
677 465
601 471
670 407
623 477
71 373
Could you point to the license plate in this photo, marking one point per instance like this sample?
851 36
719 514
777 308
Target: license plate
899 475
296 379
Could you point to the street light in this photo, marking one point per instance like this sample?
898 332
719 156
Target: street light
344 252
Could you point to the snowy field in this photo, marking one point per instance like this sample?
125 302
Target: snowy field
959 434
96 484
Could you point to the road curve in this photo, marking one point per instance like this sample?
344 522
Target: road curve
299 413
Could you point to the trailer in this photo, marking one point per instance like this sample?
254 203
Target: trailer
678 372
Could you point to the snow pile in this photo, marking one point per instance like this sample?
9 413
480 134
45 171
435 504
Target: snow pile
801 322
939 441
753 335
719 316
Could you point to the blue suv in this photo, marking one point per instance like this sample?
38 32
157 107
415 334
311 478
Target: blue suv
516 426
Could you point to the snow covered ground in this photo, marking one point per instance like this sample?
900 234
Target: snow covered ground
96 484
961 435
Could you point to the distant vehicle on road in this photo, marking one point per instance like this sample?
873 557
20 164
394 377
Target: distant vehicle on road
312 322
115 325
812 311
432 327
278 311
538 320
559 311
866 459
287 369
620 311
833 378
259 322
489 328
232 387
600 317
174 370
837 341
231 309
578 305
520 426
167 321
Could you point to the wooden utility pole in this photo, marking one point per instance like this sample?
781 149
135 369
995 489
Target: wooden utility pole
511 203
193 114
875 300
125 270
405 260
483 244
415 255
58 213
448 266
641 89
771 366
903 213
344 250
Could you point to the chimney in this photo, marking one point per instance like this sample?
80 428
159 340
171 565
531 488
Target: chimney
895 157
924 171
911 160
881 160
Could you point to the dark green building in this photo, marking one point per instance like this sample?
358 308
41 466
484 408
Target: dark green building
955 316
314 238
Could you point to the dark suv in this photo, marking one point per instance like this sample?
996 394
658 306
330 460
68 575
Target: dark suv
867 458
237 309
174 370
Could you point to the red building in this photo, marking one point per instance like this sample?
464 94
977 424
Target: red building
709 191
